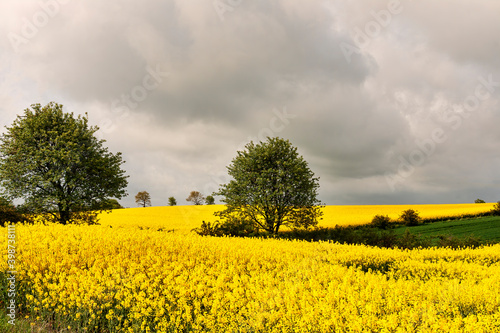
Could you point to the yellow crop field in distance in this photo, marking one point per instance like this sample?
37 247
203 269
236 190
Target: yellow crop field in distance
185 218
363 214
176 218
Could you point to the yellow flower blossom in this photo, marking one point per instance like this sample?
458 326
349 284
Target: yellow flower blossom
124 279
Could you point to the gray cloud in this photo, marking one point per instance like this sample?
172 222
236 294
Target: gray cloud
178 87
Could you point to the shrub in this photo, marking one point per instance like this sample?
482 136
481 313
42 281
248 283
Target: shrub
410 217
412 241
231 227
88 217
496 209
13 215
387 239
208 229
238 226
381 221
8 214
455 242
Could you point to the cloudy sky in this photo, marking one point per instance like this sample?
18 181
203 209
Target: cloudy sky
390 102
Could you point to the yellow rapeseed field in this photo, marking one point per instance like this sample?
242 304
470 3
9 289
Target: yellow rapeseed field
132 274
177 218
355 215
185 218
97 278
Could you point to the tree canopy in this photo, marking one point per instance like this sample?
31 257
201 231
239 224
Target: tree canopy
196 198
53 161
210 200
108 204
172 201
272 186
143 199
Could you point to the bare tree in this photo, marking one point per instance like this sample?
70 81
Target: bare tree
196 198
143 199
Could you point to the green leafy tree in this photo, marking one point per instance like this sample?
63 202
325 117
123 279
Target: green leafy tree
209 200
172 201
196 198
381 221
53 161
479 201
108 204
272 186
410 217
143 199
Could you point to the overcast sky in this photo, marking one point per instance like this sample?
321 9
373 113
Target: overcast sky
390 102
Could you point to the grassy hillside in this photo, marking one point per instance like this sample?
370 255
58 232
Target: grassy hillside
487 228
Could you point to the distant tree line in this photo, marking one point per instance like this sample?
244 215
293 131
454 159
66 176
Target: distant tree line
143 199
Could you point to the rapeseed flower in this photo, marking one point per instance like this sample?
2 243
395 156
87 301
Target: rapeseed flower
131 280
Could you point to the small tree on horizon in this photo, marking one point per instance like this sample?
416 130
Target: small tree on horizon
209 200
196 198
172 201
143 199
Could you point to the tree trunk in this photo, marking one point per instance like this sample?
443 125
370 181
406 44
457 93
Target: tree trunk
64 215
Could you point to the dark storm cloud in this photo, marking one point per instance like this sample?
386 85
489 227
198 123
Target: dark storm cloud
366 91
